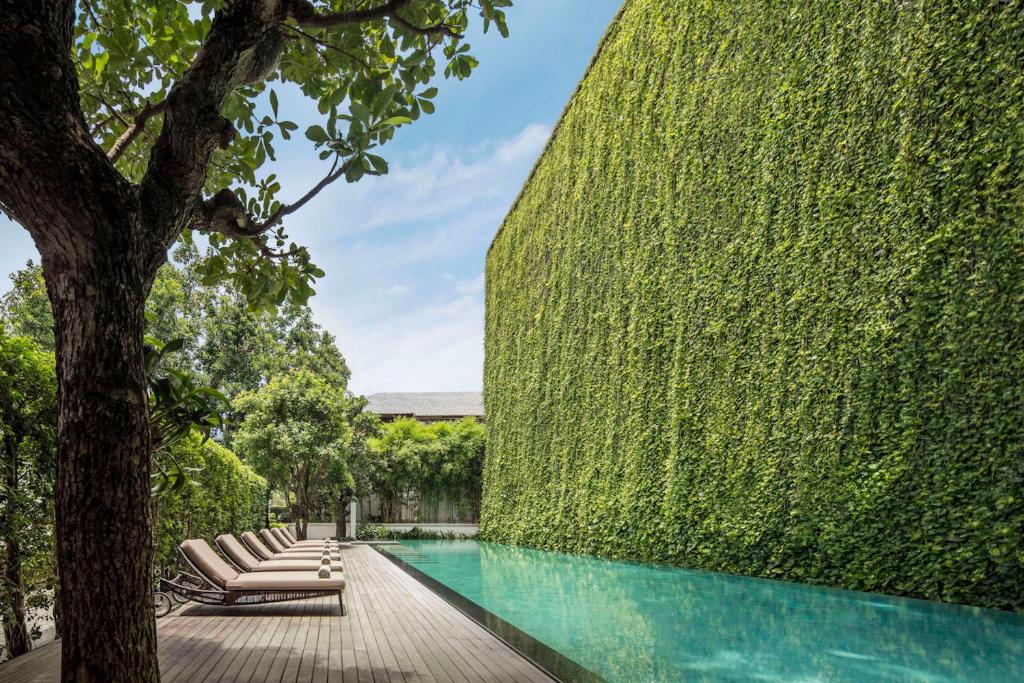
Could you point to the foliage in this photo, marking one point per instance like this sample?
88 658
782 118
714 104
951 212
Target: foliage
25 308
377 532
223 344
223 496
352 472
242 350
178 408
440 457
295 434
760 306
366 77
28 436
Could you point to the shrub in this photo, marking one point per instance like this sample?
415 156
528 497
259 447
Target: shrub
430 461
227 497
760 306
376 532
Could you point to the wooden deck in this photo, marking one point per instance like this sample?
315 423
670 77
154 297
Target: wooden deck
394 630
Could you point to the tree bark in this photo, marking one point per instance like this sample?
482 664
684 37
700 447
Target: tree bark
101 240
104 527
342 503
14 623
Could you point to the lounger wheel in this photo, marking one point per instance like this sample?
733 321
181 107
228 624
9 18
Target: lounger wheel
163 604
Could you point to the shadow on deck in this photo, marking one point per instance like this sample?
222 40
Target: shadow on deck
395 630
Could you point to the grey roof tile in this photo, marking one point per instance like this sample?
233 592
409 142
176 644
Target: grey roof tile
428 403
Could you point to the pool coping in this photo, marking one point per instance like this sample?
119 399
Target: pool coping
550 661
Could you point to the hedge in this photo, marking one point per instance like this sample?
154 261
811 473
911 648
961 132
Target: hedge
227 497
759 307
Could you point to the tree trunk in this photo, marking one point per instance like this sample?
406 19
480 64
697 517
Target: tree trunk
15 626
341 510
104 528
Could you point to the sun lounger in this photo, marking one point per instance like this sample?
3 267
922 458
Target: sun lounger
261 550
278 548
288 542
244 561
216 583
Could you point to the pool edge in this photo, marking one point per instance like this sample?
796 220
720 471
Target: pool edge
550 661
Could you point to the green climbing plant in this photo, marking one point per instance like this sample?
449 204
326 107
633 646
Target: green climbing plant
760 306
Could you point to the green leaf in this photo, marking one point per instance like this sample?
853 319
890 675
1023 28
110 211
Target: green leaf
379 164
317 134
395 121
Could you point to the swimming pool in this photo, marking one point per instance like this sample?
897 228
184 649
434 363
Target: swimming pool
637 622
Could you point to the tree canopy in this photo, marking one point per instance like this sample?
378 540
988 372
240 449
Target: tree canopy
368 66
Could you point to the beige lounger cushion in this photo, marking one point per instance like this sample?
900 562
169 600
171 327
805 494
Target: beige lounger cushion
206 561
270 540
273 581
294 566
237 553
300 555
287 542
253 542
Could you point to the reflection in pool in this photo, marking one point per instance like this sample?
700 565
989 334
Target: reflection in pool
637 622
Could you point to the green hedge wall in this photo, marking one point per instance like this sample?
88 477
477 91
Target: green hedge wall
760 306
228 497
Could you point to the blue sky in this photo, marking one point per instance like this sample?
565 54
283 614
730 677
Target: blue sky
404 253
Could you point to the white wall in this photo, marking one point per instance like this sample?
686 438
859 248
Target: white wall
319 530
316 530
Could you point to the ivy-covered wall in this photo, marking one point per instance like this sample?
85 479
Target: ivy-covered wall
760 306
226 497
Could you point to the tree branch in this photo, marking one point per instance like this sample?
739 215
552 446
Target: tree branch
270 253
322 43
133 130
285 209
225 213
306 15
436 31
243 46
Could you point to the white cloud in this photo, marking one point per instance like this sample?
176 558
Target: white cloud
425 226
472 286
404 256
436 348
426 186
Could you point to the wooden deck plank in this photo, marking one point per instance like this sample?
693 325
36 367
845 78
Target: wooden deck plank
395 630
400 620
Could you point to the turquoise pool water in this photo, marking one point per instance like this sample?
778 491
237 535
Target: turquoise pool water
636 622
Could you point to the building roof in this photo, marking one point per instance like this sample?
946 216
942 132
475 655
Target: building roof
428 403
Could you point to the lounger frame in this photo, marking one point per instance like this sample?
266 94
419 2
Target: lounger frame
200 588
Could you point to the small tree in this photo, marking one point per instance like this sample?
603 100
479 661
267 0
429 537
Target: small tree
293 434
129 125
353 475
